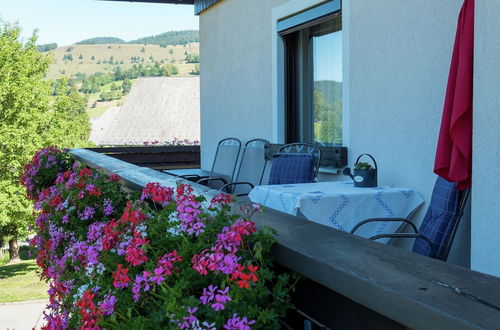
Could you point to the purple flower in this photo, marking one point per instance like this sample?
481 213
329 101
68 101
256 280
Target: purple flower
228 264
92 255
88 213
209 295
190 321
95 230
108 304
65 218
157 278
108 207
221 299
141 282
188 213
237 323
122 247
56 234
42 219
72 180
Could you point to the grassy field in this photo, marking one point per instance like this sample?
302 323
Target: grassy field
19 282
121 53
102 107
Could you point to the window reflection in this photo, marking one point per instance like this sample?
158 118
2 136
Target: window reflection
326 47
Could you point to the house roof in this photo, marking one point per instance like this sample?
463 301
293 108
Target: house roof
159 108
199 5
178 2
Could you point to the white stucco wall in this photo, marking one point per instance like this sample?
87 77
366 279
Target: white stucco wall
399 58
485 254
235 54
396 61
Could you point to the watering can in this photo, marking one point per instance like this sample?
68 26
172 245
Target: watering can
365 178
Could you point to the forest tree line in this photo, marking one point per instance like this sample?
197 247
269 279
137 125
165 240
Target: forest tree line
168 38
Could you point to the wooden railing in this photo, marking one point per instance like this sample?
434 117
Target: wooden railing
155 157
353 282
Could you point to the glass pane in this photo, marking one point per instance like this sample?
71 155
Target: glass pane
327 79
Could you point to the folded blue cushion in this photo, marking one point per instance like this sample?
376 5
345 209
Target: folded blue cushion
292 168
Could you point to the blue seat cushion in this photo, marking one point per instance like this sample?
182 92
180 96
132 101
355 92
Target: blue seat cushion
440 218
292 168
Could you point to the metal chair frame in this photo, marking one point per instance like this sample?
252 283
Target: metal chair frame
229 187
462 202
303 148
205 179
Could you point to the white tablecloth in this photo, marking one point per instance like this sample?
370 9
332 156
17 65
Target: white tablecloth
341 205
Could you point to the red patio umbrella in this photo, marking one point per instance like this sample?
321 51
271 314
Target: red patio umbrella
454 149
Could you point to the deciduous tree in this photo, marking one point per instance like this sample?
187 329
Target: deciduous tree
29 119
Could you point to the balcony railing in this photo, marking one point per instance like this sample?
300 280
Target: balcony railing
379 286
160 157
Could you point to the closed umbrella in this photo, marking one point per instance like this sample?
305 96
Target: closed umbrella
454 149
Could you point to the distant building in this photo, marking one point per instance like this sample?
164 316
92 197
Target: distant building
157 109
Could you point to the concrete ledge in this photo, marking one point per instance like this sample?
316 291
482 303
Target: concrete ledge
133 176
395 283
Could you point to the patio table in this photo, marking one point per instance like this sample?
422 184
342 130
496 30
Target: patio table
341 205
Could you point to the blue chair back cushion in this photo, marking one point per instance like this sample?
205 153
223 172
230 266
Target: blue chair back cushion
292 168
439 220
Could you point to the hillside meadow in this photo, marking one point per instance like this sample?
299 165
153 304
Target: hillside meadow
90 59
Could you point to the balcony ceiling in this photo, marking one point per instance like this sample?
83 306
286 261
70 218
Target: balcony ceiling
178 2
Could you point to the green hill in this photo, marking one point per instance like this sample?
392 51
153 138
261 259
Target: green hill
89 59
46 47
332 90
101 41
170 38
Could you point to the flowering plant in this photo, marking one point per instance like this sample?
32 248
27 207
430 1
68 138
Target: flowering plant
166 259
174 142
42 170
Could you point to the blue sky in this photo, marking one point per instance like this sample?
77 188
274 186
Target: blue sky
68 21
328 57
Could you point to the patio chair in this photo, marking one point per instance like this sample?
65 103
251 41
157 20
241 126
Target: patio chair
250 171
438 229
223 166
295 163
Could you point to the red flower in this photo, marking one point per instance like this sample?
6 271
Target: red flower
111 235
114 177
135 255
221 199
94 191
184 189
244 279
157 193
85 172
133 216
252 270
90 314
243 283
166 263
121 279
55 201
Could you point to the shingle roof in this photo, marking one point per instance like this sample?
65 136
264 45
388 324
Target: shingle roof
157 109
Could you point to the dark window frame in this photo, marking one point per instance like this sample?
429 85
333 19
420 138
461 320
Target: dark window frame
296 73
